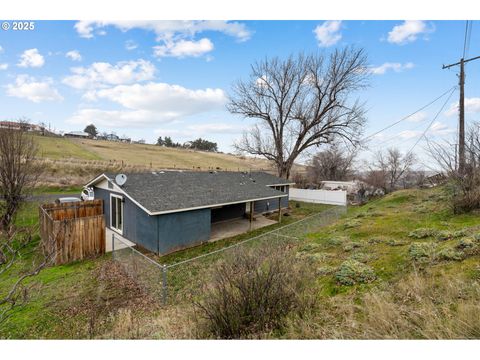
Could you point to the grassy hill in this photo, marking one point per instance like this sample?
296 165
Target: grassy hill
143 155
72 162
403 266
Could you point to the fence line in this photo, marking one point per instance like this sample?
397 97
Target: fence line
154 276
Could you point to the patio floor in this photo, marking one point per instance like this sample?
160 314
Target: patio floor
229 228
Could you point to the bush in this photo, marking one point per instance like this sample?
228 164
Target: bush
309 247
251 293
351 245
459 233
352 272
351 223
465 243
335 241
450 254
394 242
444 235
422 233
422 252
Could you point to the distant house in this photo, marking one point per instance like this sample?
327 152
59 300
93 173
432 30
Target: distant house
112 137
170 210
125 140
15 125
78 134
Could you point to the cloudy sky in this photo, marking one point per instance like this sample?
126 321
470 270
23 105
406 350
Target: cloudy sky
145 78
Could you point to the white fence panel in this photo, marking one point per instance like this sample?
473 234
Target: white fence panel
331 197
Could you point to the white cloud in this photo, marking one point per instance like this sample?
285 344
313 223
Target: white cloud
31 58
27 87
74 55
183 48
1 49
148 104
472 105
130 45
441 129
328 33
3 66
396 67
408 31
408 134
418 117
101 74
169 29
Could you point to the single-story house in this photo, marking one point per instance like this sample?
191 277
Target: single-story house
78 134
165 211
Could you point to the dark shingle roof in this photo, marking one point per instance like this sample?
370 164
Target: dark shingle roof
174 190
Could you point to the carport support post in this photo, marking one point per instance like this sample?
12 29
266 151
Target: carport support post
279 210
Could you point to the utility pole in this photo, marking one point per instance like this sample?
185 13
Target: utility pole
461 108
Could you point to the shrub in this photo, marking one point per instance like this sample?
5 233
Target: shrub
335 241
251 293
375 240
352 272
444 235
459 233
394 242
361 257
422 251
309 247
351 223
450 254
325 270
422 233
465 243
351 245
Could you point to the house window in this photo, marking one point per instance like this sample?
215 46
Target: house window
116 213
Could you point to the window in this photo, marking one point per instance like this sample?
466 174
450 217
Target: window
116 213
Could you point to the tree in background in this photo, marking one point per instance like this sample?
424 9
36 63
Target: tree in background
301 102
18 171
335 164
389 168
92 130
204 145
464 189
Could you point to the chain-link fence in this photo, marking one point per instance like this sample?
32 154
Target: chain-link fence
181 279
147 273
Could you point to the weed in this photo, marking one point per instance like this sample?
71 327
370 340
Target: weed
352 272
422 233
422 251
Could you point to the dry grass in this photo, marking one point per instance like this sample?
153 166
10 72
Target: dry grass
420 306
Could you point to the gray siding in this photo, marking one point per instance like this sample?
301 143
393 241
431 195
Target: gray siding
138 227
181 230
263 206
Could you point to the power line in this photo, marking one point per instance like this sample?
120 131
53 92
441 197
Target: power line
465 39
433 120
408 116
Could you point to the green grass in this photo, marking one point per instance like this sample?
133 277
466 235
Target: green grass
62 148
376 235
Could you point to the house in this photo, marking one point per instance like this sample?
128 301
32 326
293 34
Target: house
112 137
15 125
167 211
78 134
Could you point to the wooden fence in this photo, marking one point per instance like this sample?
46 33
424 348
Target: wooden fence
73 231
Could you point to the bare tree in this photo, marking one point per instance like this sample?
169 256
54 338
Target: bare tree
334 164
464 187
301 102
18 171
390 167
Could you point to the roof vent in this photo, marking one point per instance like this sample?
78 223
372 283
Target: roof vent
121 179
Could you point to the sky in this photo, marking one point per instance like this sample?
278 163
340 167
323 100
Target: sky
145 79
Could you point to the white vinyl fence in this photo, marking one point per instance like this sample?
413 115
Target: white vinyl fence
332 197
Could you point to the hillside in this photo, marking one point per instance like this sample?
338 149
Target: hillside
403 266
74 161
